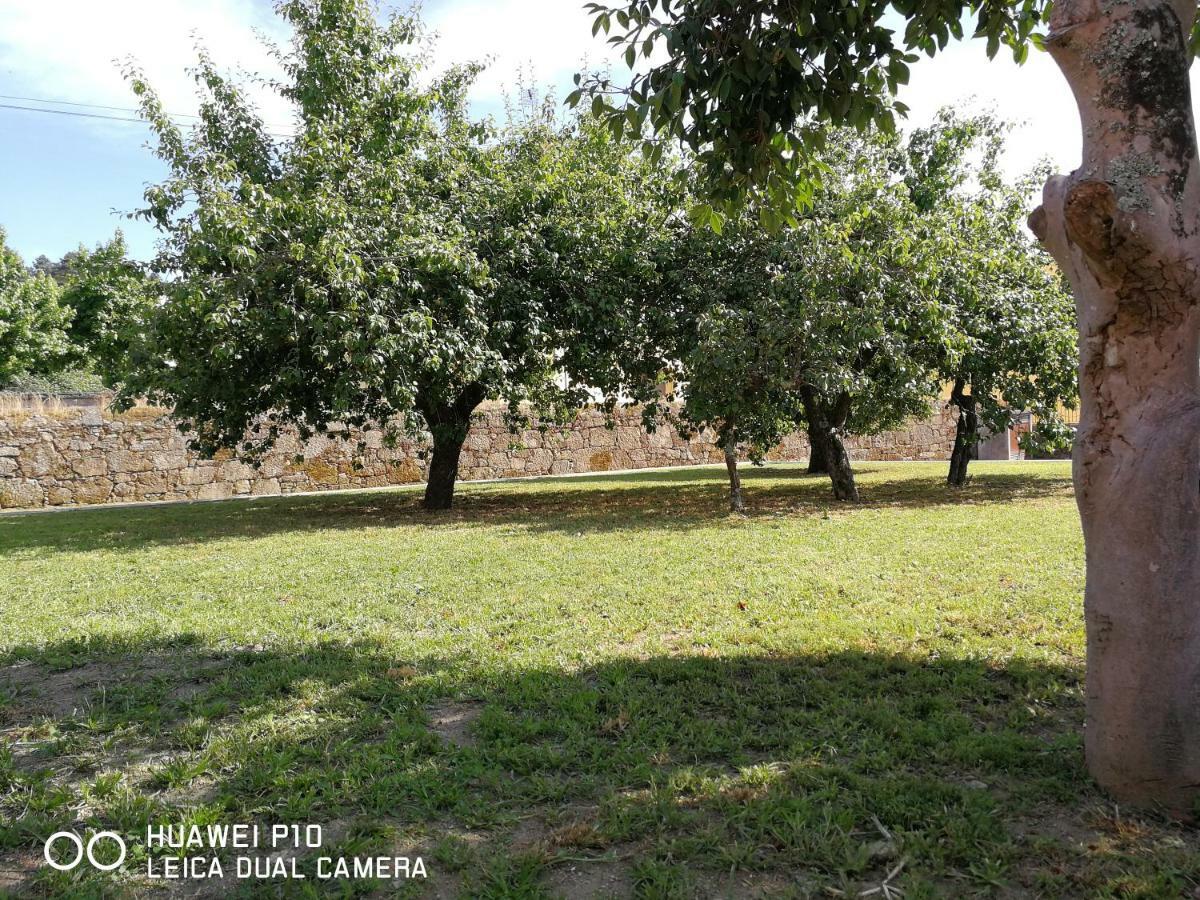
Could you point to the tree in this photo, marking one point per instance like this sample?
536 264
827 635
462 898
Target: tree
108 295
33 338
56 269
836 323
394 262
1011 307
1018 320
864 320
721 345
746 84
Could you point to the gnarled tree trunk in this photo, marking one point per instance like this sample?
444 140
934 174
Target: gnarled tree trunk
966 434
1125 228
448 425
736 503
825 424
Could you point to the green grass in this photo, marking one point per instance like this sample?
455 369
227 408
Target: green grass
602 686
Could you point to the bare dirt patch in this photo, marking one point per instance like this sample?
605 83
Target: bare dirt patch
753 886
59 693
592 880
16 873
454 721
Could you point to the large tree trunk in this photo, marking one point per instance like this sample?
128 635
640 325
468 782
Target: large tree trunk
818 462
443 468
825 423
448 424
1124 228
966 435
736 503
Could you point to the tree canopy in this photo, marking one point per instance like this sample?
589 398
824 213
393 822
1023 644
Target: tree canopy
1010 303
908 270
396 262
750 86
108 296
33 321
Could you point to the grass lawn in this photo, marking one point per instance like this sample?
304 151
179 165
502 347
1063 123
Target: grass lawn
602 686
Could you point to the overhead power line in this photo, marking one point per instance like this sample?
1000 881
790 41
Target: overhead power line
68 112
88 115
128 109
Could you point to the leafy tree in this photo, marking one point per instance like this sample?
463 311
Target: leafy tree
721 347
836 323
1005 332
33 338
56 269
108 295
863 320
1017 318
393 262
1011 308
747 85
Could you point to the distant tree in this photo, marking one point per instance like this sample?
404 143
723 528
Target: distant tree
45 265
721 346
394 261
1011 307
861 316
838 323
1017 318
33 338
108 296
55 268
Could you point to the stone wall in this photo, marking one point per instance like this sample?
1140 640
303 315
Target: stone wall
85 456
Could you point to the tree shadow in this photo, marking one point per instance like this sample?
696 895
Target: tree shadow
813 771
674 500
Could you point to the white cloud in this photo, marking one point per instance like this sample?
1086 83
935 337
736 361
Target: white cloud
72 49
547 40
1034 96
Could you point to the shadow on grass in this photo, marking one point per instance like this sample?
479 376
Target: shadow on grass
672 499
646 777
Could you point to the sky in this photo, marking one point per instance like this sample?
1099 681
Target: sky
67 180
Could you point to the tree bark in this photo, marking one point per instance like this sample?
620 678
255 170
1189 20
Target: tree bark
443 468
818 463
966 435
1124 228
736 502
825 425
448 424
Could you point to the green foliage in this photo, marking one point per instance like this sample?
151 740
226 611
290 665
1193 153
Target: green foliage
71 380
910 269
1012 309
56 269
844 311
393 260
859 287
109 297
33 339
750 86
731 357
